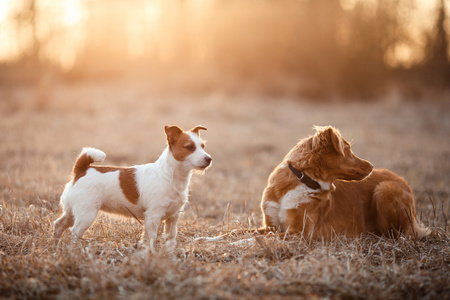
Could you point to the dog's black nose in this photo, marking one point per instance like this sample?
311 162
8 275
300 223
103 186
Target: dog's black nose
208 159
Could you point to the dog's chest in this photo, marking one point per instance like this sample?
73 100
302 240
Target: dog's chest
164 199
292 200
176 200
172 208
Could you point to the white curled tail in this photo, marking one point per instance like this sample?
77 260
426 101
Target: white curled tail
85 159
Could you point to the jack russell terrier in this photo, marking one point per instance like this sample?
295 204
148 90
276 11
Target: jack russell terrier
154 192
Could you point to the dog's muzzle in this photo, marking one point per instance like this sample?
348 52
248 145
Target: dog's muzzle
208 160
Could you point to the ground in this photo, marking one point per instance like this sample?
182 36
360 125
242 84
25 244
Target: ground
41 133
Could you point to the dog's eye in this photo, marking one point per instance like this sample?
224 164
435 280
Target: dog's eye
203 146
190 148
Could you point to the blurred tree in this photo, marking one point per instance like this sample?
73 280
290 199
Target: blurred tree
374 29
315 48
436 64
30 61
26 27
35 47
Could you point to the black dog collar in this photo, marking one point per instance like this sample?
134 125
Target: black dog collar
311 183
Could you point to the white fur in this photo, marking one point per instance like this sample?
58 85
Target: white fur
162 185
198 157
324 186
97 155
292 199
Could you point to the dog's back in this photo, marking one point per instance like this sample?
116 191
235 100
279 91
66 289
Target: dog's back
383 204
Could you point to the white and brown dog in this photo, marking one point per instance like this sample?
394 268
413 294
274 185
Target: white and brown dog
154 192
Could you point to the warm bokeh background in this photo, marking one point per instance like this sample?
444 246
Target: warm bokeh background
314 49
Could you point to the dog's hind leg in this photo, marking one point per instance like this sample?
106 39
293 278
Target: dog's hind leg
82 222
62 223
396 212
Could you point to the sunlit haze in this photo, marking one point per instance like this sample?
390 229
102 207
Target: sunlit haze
71 32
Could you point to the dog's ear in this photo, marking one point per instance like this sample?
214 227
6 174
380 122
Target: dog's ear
326 135
337 140
321 139
172 134
197 128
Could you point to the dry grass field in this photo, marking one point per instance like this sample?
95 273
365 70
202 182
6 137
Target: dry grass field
42 133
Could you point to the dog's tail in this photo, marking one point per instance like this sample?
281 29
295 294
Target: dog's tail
85 159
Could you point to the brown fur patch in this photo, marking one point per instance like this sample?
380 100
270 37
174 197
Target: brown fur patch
128 184
127 180
183 147
106 169
81 166
197 128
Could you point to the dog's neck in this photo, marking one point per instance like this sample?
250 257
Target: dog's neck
311 183
174 170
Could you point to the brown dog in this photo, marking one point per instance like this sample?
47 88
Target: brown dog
321 189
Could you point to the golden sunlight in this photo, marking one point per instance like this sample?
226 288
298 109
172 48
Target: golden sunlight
72 12
71 32
348 4
4 4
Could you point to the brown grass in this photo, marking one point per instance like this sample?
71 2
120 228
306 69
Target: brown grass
247 138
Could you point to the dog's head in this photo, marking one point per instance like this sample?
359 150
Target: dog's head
188 147
327 156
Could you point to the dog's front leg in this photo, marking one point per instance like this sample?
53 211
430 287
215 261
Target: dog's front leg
170 228
151 229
